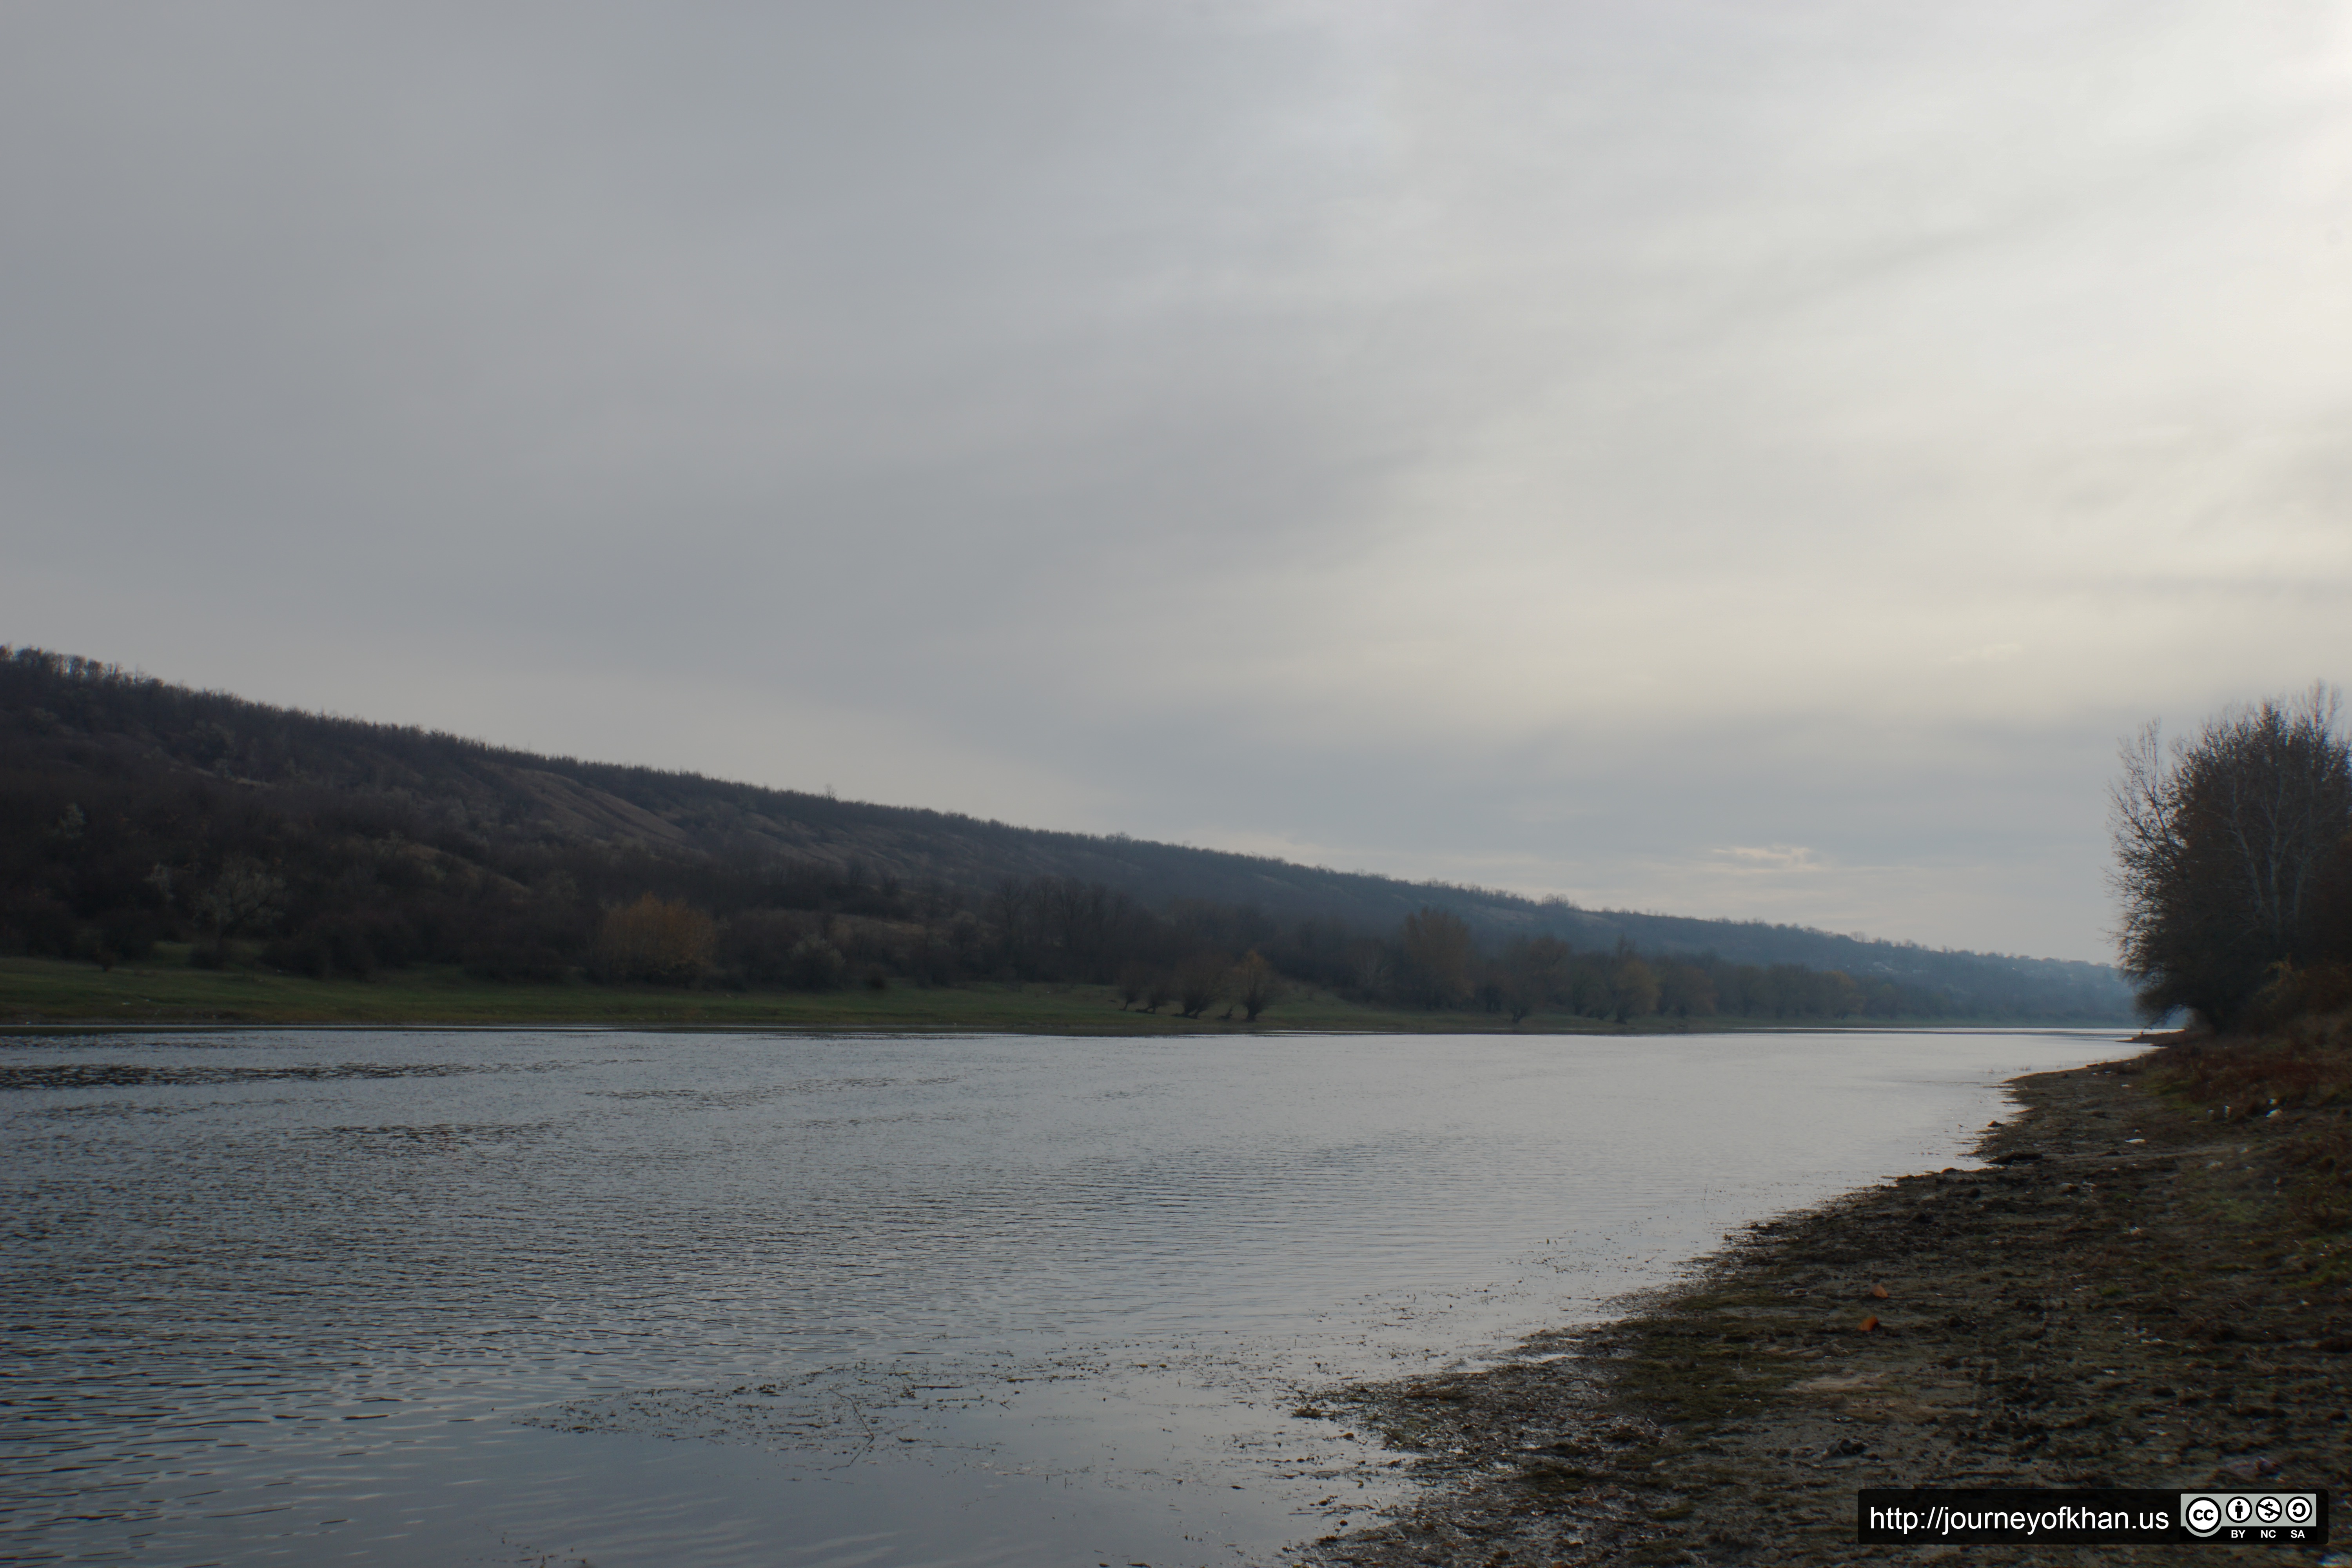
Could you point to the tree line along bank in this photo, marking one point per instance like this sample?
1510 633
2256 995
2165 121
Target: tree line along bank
134 813
326 884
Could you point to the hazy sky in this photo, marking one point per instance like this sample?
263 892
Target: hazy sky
1689 455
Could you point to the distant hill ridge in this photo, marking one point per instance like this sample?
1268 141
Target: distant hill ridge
61 713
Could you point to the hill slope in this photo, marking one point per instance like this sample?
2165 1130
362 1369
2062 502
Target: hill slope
118 789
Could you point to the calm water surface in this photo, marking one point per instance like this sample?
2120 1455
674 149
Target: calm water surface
423 1298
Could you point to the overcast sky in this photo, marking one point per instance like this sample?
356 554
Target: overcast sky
1688 455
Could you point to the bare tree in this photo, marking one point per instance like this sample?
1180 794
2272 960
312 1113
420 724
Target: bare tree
660 939
1256 985
1507 990
1437 956
1633 985
2222 841
1684 989
1200 982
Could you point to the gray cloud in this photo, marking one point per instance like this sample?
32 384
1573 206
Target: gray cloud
1725 458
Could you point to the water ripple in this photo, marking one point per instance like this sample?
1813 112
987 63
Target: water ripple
719 1299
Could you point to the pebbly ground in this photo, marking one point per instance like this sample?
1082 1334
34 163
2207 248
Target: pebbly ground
2127 1296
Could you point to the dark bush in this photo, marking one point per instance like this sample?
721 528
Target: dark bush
814 964
756 946
306 954
510 956
131 933
36 924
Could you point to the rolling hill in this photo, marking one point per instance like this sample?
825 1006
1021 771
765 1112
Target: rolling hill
126 798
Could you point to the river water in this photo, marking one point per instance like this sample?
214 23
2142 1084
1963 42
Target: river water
547 1297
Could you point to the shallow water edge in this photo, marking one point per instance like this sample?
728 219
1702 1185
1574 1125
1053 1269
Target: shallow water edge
462 1296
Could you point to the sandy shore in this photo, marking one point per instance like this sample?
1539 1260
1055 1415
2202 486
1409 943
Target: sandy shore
2120 1299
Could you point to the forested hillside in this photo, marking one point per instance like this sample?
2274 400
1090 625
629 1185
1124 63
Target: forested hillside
136 812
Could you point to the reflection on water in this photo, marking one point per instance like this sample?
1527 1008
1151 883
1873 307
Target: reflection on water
519 1296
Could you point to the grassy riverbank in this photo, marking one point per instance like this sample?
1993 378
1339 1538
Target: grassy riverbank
39 991
2141 1290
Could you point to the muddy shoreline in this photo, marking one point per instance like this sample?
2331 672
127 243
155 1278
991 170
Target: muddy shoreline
2121 1297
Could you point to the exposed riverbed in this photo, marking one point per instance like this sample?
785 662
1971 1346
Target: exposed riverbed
2132 1294
505 1296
